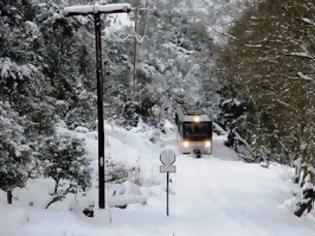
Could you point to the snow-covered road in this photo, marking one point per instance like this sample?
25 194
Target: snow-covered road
215 195
220 195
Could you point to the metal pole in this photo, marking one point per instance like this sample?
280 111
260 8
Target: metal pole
100 113
167 192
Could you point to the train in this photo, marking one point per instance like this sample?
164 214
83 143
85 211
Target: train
195 131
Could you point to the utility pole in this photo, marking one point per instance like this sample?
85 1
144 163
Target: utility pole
100 112
96 11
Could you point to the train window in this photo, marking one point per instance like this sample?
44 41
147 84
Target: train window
197 131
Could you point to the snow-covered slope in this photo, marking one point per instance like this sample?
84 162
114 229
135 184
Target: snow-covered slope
215 195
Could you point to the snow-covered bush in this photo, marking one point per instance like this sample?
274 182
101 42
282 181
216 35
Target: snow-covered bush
119 172
64 160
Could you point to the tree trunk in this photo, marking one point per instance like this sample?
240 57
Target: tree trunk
9 196
56 186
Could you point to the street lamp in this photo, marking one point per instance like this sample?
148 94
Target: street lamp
96 10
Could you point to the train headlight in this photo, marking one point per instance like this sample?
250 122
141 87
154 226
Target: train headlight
185 144
196 118
208 143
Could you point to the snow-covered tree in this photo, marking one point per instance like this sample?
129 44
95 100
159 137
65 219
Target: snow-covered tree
64 160
269 64
15 154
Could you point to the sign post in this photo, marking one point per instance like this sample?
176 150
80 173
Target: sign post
167 192
167 158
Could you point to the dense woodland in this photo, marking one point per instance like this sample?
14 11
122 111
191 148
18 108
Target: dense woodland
268 65
256 80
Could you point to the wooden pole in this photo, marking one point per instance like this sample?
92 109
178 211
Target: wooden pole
100 113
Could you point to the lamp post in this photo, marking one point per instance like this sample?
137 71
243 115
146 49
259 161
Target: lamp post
96 10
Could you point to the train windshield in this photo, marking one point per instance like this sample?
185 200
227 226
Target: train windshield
197 131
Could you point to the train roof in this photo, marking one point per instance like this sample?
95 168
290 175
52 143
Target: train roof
191 118
189 115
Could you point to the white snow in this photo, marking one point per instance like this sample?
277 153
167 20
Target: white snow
308 21
97 8
116 23
304 77
301 54
215 195
9 69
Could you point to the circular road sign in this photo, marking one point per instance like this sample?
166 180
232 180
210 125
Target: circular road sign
168 157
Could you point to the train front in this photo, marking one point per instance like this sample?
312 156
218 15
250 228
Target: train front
196 135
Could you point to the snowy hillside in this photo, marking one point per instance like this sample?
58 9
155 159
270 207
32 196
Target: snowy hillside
215 195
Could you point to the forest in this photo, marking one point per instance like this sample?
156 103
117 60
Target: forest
250 64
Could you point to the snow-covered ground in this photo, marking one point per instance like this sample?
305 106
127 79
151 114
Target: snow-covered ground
215 195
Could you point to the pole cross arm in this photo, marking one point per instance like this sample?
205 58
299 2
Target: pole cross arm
97 9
